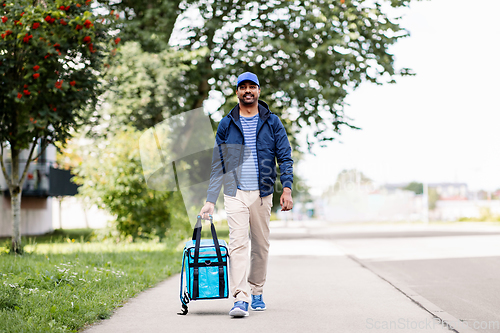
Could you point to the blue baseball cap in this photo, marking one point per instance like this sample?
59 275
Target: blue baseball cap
247 76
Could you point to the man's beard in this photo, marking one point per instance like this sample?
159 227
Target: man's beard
250 101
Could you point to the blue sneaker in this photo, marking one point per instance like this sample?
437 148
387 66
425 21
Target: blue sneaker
240 309
257 303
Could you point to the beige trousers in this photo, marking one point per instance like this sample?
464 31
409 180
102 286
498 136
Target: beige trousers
244 210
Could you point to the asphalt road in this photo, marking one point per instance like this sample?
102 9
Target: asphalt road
459 274
454 268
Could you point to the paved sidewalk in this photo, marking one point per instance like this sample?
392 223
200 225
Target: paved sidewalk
312 287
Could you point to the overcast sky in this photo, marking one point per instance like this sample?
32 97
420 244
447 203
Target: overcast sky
442 125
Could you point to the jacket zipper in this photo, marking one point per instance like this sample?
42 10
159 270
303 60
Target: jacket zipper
258 166
240 157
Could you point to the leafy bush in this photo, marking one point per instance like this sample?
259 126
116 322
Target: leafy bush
111 177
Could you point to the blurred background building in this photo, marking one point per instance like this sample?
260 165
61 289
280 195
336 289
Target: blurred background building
43 189
356 198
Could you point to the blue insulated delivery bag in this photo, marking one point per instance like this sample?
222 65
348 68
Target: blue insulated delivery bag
204 268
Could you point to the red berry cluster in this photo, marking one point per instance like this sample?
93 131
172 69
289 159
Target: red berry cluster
27 38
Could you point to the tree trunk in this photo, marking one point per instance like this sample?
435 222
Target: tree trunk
16 188
15 202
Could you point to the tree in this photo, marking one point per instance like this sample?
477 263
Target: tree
50 57
142 88
418 188
308 54
148 22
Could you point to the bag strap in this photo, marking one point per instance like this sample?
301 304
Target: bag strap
185 297
219 259
197 239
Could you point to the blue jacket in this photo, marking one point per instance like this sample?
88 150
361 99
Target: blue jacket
271 144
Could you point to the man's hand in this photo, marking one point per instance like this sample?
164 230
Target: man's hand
208 209
286 201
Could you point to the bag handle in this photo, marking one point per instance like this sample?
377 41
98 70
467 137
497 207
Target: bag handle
197 239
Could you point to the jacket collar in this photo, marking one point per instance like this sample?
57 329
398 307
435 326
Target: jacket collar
264 112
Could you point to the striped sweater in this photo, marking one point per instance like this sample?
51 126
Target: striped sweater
249 169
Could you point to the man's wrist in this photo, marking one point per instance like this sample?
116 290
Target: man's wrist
287 190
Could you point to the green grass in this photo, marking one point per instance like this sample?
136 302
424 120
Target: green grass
69 279
64 282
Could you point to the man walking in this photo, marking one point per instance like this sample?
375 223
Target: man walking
248 142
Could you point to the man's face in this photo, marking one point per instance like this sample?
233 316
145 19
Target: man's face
248 92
